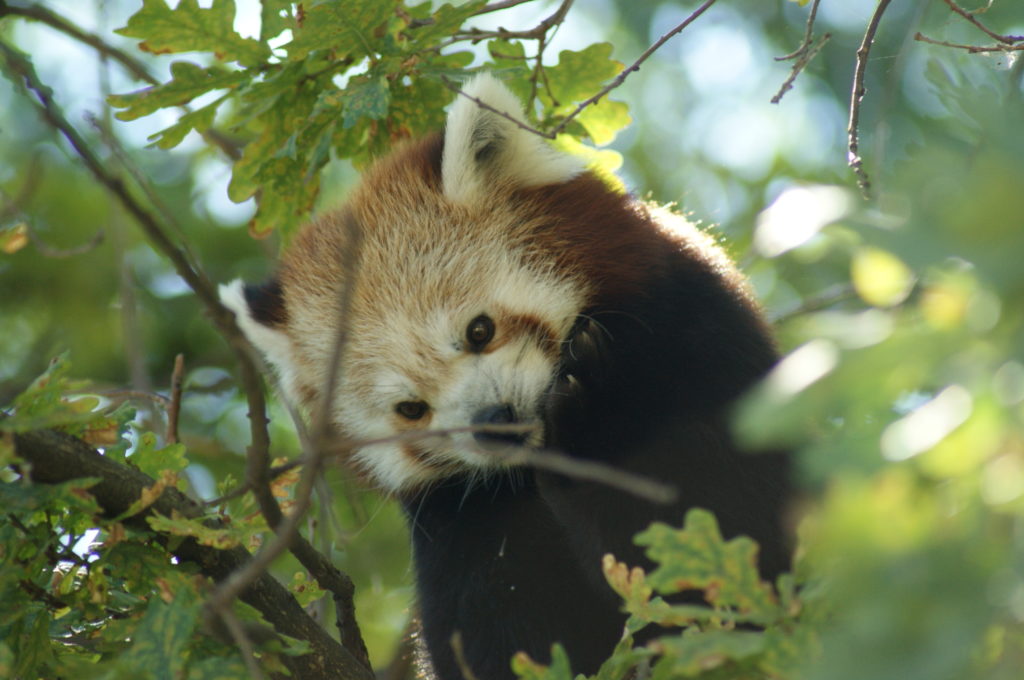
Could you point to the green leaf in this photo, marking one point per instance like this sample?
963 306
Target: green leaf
22 496
442 23
160 640
305 590
275 17
199 120
365 97
691 655
152 460
43 404
188 81
579 75
217 668
528 669
32 644
190 28
603 120
696 557
345 27
178 525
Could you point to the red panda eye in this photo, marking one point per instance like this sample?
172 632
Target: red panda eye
479 332
411 410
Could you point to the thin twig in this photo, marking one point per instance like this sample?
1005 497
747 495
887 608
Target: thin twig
798 67
245 487
536 33
504 114
223 319
591 471
973 49
635 66
46 250
857 96
124 395
135 67
177 378
498 6
286 528
243 642
808 34
1006 39
59 23
823 300
543 459
803 55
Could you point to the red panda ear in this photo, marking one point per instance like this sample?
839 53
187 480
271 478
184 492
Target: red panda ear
483 148
261 314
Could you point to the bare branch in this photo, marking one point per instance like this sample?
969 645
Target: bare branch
969 16
803 55
497 6
823 300
177 377
286 528
857 96
224 320
973 49
46 250
591 471
56 457
635 66
504 114
59 23
808 34
538 32
240 638
798 66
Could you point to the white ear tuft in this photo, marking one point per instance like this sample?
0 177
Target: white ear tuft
271 342
482 148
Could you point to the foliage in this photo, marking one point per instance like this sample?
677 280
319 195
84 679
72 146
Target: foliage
87 595
289 99
901 390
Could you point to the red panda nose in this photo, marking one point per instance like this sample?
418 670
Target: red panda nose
497 414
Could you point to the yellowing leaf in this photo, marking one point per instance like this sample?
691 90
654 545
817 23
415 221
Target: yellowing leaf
696 557
880 278
14 238
179 525
603 120
150 494
945 304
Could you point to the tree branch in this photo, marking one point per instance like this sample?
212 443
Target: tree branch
224 320
635 66
857 96
973 49
56 457
59 23
803 54
1005 39
536 33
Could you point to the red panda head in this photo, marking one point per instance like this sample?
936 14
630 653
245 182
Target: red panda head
458 309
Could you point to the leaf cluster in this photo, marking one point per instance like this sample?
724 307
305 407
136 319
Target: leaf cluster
704 612
91 595
337 79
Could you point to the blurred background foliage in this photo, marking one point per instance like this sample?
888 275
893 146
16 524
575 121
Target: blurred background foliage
901 315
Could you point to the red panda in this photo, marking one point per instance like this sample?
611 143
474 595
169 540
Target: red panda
501 283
